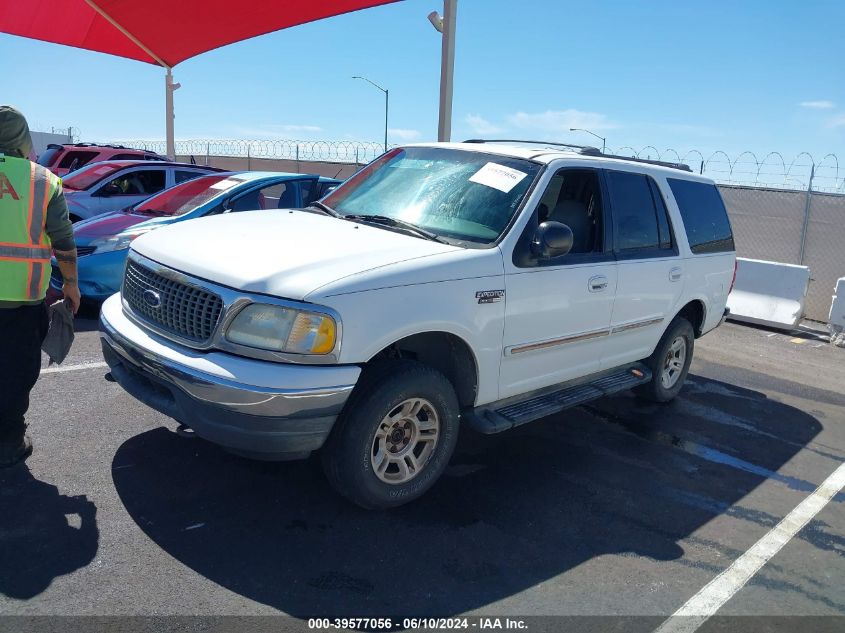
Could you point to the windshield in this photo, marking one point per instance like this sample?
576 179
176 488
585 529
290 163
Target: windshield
90 175
454 193
187 196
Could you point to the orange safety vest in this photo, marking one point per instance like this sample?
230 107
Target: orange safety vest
26 189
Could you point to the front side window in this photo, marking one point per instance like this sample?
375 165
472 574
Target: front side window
705 217
639 213
573 198
74 159
281 195
137 183
457 194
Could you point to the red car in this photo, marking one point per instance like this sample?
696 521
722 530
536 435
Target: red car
62 159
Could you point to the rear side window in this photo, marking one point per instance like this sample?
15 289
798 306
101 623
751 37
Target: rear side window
639 213
704 214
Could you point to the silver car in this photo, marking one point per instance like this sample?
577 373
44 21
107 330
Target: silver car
112 185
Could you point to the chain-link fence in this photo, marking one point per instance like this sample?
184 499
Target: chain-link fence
792 227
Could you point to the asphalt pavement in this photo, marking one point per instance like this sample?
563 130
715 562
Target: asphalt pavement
616 508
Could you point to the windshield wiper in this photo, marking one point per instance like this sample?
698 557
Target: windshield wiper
325 209
399 224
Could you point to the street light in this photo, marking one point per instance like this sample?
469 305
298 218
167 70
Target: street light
603 139
386 104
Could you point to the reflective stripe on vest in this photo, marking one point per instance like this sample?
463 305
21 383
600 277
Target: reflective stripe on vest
25 193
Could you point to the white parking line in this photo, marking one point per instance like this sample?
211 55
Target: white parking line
56 370
718 591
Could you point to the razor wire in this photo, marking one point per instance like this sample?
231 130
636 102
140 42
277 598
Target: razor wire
772 170
283 149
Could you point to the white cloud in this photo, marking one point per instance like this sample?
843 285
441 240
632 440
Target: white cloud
560 121
480 125
403 134
818 105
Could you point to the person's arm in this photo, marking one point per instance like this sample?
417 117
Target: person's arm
60 231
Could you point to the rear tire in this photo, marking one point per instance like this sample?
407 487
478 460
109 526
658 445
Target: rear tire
669 363
395 436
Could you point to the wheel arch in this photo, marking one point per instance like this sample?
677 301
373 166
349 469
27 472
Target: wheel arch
694 311
446 352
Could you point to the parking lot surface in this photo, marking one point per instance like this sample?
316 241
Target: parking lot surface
615 508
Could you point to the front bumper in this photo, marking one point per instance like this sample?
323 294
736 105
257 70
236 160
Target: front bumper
259 409
100 274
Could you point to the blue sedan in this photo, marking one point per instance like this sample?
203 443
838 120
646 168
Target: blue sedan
103 242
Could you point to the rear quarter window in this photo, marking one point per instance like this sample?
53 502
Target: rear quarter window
705 217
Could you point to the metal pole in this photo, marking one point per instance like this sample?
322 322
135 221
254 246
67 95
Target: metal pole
169 87
248 163
807 206
386 105
447 70
298 167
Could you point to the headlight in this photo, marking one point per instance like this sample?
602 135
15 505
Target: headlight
119 242
283 330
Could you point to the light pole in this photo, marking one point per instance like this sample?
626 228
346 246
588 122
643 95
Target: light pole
601 138
446 25
386 105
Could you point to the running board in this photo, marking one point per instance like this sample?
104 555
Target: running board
506 414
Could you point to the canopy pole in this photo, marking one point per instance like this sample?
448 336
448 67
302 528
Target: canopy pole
169 88
447 70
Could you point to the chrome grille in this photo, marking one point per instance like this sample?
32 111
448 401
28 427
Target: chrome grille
186 311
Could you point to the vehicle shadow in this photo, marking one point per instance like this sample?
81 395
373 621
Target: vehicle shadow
43 534
512 511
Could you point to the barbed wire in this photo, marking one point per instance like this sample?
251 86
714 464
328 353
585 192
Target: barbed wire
746 168
328 151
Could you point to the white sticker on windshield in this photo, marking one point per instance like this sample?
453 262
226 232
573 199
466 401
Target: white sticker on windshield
498 176
226 184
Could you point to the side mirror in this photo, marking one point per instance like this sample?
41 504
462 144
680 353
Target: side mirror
110 190
551 239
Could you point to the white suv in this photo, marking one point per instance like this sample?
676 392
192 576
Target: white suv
476 283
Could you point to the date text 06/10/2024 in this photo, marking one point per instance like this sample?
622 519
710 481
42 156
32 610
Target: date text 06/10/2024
430 624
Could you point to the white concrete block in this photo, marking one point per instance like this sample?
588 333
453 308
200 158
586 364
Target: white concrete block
836 320
769 293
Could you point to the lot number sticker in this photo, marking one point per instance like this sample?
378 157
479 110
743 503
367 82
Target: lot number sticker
498 176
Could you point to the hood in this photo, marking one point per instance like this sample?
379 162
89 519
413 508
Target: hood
114 223
14 132
285 254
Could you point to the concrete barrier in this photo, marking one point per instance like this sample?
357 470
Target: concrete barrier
836 320
769 293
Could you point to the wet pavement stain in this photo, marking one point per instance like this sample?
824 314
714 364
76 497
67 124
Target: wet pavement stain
645 432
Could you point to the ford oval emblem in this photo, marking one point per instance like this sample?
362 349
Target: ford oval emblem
152 298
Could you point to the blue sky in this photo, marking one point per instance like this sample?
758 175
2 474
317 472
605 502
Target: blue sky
751 75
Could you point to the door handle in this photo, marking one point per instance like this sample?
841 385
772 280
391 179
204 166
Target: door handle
597 283
675 274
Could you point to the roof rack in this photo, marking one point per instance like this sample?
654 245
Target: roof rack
588 150
583 148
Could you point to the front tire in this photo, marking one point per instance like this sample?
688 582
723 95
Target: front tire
395 436
669 363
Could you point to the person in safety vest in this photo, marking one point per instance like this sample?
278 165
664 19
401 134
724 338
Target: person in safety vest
34 224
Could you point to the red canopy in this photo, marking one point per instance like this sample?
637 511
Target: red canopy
164 32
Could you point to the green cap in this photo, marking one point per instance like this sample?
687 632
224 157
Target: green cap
14 132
